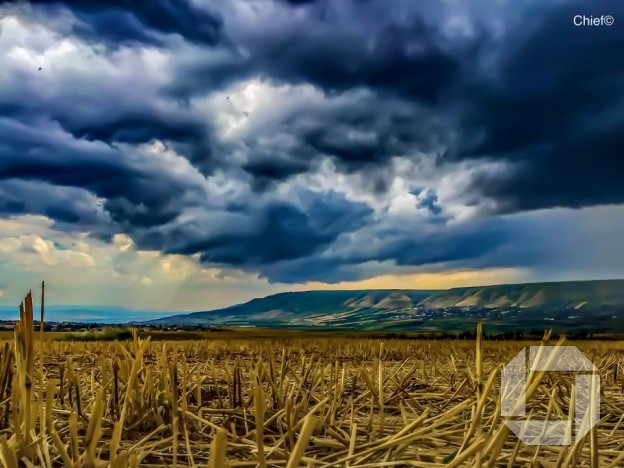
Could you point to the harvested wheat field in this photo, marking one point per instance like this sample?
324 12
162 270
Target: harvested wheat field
284 403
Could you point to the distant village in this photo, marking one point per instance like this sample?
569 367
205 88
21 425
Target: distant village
8 325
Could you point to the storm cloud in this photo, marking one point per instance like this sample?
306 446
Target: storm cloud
127 22
311 140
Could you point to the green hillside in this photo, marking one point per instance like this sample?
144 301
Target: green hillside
569 294
577 305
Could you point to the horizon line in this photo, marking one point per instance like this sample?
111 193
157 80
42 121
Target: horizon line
168 311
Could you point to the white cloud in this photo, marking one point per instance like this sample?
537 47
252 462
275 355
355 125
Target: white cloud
81 270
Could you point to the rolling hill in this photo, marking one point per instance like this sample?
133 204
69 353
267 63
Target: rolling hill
576 305
561 295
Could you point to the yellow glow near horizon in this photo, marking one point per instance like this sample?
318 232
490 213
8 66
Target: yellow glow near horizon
442 280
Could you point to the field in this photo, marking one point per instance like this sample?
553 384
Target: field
284 401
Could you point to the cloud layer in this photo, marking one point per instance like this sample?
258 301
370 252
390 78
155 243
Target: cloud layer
324 141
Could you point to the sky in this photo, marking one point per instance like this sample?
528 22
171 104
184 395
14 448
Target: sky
191 154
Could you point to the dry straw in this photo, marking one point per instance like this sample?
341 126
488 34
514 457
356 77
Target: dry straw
282 402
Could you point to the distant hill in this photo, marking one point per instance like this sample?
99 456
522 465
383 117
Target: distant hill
301 309
568 294
568 305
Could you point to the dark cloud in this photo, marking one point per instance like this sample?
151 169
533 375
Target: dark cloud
390 48
352 151
128 21
396 49
68 207
541 95
359 134
187 136
370 140
366 99
134 191
268 170
554 111
282 232
429 199
135 129
146 202
470 241
100 104
575 173
474 244
262 235
299 2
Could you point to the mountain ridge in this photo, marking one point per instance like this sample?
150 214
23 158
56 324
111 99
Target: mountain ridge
395 308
